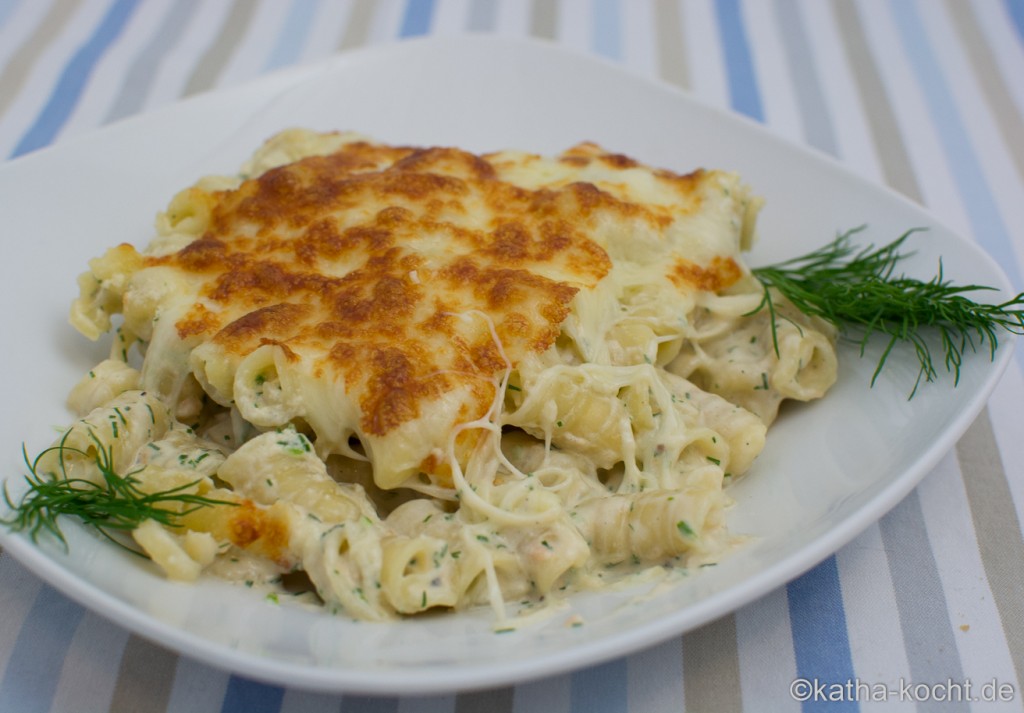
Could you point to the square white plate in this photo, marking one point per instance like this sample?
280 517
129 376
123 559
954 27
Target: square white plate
830 468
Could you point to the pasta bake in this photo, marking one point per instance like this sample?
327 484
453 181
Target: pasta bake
425 378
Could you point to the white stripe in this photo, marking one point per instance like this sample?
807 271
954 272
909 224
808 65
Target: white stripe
984 652
298 701
18 592
450 17
329 22
548 694
45 73
427 704
1007 425
91 665
1006 45
1001 176
655 678
704 53
105 82
177 65
778 96
854 143
917 130
575 25
764 637
197 688
251 54
387 21
513 17
639 40
872 617
19 27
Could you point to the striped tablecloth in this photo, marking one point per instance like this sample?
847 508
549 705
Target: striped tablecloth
926 96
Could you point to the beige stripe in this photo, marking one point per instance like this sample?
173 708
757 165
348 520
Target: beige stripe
544 19
20 64
1009 120
357 26
996 526
997 529
495 700
145 678
885 131
216 57
668 28
711 667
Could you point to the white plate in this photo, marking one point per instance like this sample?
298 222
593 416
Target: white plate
830 468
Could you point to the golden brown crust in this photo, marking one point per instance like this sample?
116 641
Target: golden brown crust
410 273
262 530
386 267
719 274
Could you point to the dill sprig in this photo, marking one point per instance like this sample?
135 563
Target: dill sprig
860 291
114 504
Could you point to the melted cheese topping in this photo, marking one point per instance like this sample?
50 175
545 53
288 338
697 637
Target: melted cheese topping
364 268
432 378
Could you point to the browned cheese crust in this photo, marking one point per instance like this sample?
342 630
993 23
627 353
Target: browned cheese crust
364 261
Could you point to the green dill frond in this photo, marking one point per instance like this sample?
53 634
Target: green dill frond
116 503
860 292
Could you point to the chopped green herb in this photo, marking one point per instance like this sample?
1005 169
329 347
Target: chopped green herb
764 383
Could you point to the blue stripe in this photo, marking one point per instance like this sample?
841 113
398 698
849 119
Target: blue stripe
1015 9
74 78
30 682
416 20
820 641
744 94
819 636
245 696
600 689
6 8
607 24
293 34
818 620
982 211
